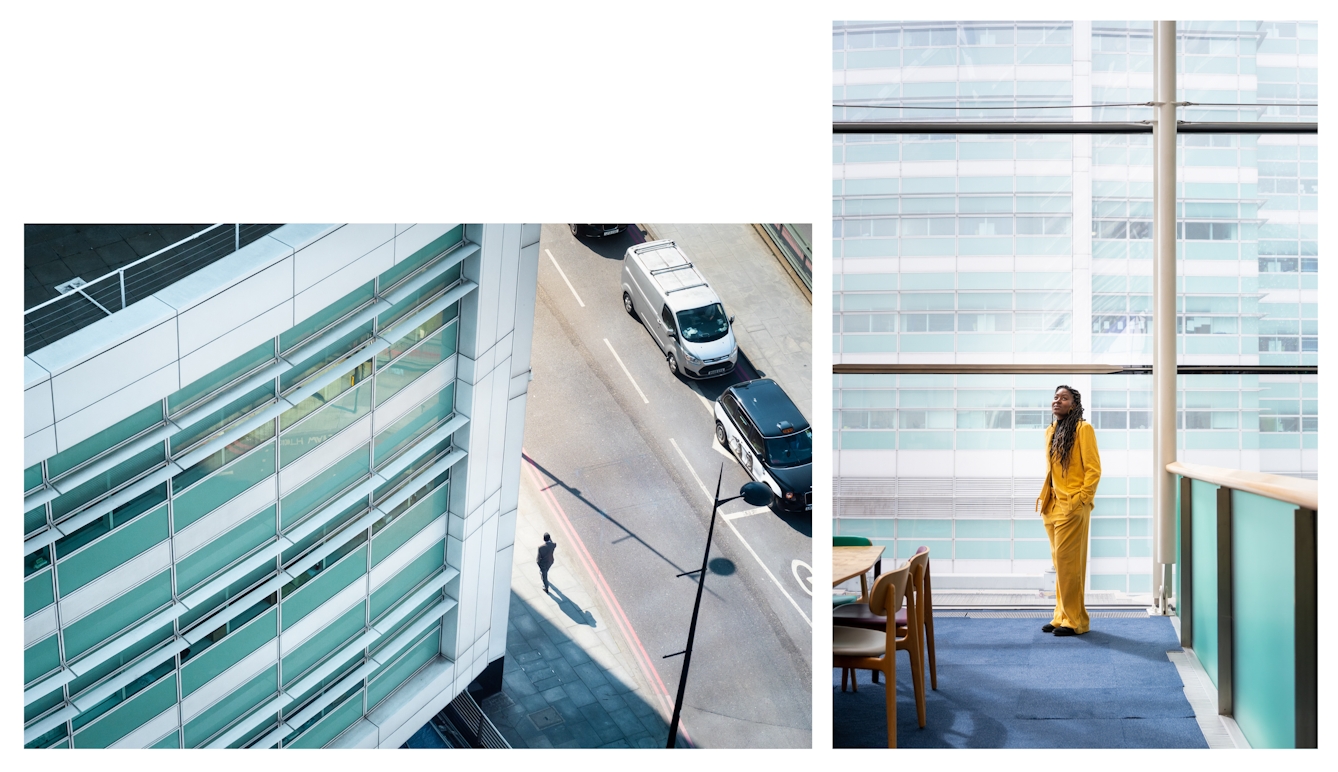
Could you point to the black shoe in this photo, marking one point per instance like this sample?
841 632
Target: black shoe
1047 628
1064 631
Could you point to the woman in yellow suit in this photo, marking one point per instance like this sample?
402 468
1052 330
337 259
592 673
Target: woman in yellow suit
1074 469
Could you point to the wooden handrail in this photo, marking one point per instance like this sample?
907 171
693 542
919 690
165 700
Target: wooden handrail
1293 490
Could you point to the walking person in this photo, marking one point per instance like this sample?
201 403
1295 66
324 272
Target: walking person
1065 503
545 560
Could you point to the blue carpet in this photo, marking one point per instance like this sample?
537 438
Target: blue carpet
1002 683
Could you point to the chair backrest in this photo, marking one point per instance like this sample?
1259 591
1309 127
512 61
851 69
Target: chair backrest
851 541
919 567
889 591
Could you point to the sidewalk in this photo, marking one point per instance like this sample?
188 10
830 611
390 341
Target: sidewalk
773 319
570 679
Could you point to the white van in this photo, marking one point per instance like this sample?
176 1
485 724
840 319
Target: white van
663 289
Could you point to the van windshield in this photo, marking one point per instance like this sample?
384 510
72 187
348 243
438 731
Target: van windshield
700 325
791 449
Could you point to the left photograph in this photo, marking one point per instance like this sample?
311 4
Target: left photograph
417 486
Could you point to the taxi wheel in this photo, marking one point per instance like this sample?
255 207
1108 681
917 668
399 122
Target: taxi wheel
673 364
720 435
575 232
627 305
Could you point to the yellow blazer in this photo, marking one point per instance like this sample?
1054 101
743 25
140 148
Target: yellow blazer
1065 493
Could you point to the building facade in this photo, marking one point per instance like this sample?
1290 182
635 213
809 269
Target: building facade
273 504
1006 249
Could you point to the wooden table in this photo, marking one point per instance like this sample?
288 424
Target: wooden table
850 562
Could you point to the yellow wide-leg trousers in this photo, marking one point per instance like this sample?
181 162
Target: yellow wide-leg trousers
1068 550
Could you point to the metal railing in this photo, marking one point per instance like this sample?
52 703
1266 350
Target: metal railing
48 322
1247 597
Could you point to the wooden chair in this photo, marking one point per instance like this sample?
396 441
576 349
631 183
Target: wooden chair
865 649
859 615
853 541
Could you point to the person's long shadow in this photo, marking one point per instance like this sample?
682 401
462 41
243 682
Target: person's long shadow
569 607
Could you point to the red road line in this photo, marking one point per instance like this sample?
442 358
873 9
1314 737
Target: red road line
619 616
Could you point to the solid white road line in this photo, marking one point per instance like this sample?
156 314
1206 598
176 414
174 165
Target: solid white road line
626 371
746 545
564 278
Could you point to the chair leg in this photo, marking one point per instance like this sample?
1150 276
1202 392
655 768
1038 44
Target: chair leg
933 660
845 671
917 676
854 680
890 665
875 676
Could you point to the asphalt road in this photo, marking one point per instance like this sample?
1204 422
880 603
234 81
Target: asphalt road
626 448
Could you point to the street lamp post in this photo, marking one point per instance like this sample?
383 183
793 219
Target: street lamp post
755 493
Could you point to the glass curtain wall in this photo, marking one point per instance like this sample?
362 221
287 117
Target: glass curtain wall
1007 249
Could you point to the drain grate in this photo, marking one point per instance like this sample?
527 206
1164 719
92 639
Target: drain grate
546 718
496 703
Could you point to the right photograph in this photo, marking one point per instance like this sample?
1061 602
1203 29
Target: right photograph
1075 384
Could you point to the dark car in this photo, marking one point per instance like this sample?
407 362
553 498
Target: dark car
597 230
772 440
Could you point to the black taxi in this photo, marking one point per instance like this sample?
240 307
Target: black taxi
759 423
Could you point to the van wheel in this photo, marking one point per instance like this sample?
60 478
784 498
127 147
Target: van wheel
575 232
627 305
720 435
673 364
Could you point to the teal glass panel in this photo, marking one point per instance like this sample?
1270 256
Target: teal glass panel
983 550
37 593
430 562
171 741
167 664
331 354
400 530
115 549
216 422
414 424
325 395
326 423
411 617
323 587
404 268
924 529
332 725
34 519
224 456
327 317
228 643
32 477
318 535
222 486
98 673
1109 548
984 529
409 367
130 716
43 704
66 546
232 707
229 594
393 676
336 675
416 299
1263 564
40 658
220 378
110 480
117 615
1116 582
1203 502
319 646
227 549
326 485
1031 550
102 442
56 738
428 457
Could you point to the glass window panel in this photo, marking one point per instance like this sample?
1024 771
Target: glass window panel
333 353
131 469
327 317
217 422
407 368
391 533
417 298
37 593
117 615
326 584
227 646
414 424
219 379
127 541
236 704
234 450
423 257
326 485
325 395
226 550
99 443
411 576
329 421
322 644
129 716
393 676
222 486
336 718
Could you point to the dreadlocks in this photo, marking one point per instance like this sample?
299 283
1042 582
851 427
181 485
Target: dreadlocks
1066 430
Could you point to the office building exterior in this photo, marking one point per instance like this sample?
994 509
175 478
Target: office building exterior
273 503
970 249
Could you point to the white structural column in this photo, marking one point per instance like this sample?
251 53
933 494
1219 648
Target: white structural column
1163 305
